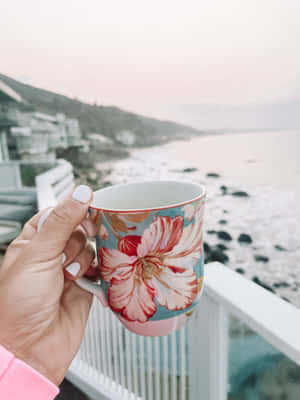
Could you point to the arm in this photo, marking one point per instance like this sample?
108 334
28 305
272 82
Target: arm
43 312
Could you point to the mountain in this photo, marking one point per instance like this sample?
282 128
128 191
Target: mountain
277 115
106 120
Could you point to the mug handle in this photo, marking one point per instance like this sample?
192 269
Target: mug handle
93 288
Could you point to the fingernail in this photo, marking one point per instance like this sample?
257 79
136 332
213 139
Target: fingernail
73 268
63 258
82 194
43 218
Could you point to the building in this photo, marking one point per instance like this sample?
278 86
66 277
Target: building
126 137
28 145
99 141
33 136
8 98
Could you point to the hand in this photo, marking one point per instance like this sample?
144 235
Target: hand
43 313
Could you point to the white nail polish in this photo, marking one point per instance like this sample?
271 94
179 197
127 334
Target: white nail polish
63 258
73 268
82 194
43 218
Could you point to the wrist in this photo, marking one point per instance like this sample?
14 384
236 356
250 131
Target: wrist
38 365
16 375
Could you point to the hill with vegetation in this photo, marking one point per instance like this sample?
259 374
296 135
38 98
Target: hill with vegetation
107 120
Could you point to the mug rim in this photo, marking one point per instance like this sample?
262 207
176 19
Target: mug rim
137 210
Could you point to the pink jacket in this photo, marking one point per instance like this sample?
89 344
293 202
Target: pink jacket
18 381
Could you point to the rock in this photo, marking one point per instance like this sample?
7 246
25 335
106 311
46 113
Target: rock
281 284
224 235
216 254
221 246
244 238
211 232
190 169
284 298
240 270
222 222
212 175
224 189
279 248
240 193
106 183
206 247
260 258
262 284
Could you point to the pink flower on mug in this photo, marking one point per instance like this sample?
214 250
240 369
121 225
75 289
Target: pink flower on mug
159 264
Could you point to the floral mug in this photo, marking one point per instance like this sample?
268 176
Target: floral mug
149 248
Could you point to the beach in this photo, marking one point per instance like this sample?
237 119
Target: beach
265 167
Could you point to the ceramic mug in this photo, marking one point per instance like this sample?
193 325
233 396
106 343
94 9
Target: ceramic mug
149 248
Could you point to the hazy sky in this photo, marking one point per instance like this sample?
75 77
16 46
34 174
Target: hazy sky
143 54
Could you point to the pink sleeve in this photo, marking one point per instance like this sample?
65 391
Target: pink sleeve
18 381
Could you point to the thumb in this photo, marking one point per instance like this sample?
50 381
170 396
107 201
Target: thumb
61 221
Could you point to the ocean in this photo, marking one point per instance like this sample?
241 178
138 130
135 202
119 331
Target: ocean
265 165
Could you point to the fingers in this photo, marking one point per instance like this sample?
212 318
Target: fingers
81 263
74 246
31 226
89 226
58 225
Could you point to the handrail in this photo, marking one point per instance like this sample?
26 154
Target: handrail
273 318
52 184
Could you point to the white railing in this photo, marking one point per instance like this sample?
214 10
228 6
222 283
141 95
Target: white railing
10 172
54 184
113 363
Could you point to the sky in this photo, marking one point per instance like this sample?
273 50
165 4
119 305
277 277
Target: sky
143 55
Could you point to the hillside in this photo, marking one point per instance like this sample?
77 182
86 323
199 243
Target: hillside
106 120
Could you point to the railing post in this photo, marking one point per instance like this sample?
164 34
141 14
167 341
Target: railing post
208 351
4 156
18 175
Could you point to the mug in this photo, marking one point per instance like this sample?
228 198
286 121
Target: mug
150 253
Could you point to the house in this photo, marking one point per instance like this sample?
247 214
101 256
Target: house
34 135
8 97
126 137
28 145
99 141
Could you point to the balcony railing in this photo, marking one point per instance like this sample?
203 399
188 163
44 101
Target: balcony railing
33 144
9 114
18 175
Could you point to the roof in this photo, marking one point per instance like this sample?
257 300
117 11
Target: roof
44 117
8 94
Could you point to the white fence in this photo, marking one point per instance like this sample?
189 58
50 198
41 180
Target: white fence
113 363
